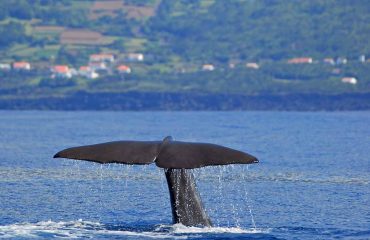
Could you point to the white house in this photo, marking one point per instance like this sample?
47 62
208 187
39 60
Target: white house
5 66
362 58
87 72
208 67
351 80
341 60
252 65
135 57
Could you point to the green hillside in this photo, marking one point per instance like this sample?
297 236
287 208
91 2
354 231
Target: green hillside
247 29
178 36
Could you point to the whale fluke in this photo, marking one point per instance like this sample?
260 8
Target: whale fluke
126 152
177 158
166 154
175 154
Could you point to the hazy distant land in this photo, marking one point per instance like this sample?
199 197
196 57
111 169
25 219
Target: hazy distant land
184 55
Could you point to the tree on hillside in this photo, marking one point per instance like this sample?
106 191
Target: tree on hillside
20 9
11 33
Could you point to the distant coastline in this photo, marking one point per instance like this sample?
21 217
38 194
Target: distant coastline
165 101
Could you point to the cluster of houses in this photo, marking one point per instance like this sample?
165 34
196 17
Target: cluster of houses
333 62
211 67
107 63
303 60
329 60
16 66
98 63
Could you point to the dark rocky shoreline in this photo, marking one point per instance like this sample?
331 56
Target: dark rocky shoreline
157 101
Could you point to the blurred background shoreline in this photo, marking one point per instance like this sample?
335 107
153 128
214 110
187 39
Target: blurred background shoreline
156 101
185 55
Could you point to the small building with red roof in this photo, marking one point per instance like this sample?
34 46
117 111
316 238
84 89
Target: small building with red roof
61 71
22 66
300 60
123 69
84 69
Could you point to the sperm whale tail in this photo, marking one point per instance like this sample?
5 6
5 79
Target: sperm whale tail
165 154
177 158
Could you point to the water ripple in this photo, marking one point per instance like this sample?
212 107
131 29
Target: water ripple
87 229
22 174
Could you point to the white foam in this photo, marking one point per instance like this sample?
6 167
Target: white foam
68 230
87 229
57 229
179 228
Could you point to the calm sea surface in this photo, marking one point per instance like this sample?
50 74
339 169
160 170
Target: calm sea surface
312 182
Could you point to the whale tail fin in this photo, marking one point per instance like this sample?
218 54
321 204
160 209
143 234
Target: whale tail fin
125 152
176 158
166 154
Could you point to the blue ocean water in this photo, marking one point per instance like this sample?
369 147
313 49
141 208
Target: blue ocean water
312 181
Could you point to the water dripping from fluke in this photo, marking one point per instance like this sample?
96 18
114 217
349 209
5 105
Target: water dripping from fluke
177 159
